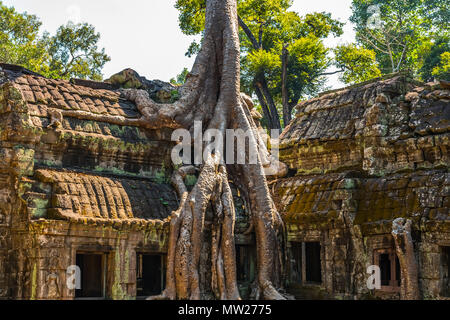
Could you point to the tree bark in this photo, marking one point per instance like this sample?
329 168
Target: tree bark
211 95
401 231
287 117
264 106
262 85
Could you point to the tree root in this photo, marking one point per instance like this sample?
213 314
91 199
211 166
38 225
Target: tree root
211 95
401 231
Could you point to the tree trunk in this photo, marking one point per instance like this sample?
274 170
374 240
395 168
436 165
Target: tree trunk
401 231
211 95
260 82
264 107
262 85
284 92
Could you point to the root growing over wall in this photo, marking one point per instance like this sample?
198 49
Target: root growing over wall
401 231
212 95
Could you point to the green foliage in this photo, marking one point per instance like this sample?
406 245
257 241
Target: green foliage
193 49
308 59
174 95
19 39
181 78
401 32
273 28
263 61
359 64
433 53
192 15
442 71
72 52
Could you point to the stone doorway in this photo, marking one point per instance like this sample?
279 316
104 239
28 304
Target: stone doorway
93 276
150 274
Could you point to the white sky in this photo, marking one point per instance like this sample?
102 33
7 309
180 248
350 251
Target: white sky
144 35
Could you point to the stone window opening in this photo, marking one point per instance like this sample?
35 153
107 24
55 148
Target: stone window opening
150 274
445 272
93 275
306 266
390 272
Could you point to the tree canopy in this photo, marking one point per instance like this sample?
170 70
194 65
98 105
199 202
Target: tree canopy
19 39
283 56
74 52
405 35
358 64
71 53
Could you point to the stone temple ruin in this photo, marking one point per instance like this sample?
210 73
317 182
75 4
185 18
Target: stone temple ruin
84 183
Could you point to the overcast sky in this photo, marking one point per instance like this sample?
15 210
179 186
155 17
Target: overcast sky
144 35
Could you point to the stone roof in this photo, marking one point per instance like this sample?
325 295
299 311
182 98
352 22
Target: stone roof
339 114
369 127
93 122
79 197
81 153
42 94
379 150
319 200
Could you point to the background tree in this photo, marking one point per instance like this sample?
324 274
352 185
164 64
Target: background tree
283 57
357 64
304 57
442 70
405 35
434 62
72 53
19 40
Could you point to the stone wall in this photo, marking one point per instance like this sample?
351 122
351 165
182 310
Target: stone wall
360 158
48 248
379 128
78 171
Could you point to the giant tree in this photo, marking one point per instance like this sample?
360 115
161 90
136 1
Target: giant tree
211 95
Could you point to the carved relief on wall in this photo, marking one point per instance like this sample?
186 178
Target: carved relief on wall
52 280
52 286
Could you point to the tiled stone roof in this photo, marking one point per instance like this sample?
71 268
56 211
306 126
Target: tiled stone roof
318 201
380 127
341 114
41 93
84 197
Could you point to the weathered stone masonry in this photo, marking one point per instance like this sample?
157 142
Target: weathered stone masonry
80 174
362 157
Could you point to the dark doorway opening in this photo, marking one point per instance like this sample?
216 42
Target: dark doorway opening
305 272
150 275
306 263
445 271
92 275
390 272
313 264
245 268
385 269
